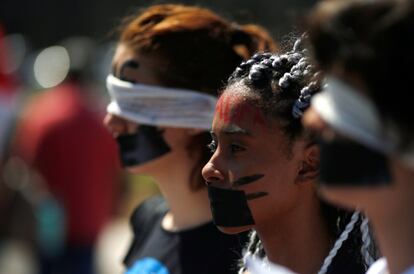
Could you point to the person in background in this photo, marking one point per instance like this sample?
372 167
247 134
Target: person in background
17 248
365 118
60 136
170 61
8 94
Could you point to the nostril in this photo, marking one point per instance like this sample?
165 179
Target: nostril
118 126
212 175
212 180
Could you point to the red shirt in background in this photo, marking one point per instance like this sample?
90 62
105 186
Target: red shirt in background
77 157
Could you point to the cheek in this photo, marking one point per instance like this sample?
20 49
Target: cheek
175 138
283 195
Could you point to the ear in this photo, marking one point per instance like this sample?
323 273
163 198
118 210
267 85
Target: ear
309 168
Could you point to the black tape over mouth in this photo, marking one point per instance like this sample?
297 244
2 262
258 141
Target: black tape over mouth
229 207
143 146
346 163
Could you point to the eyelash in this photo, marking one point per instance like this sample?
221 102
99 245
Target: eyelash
236 148
212 146
233 147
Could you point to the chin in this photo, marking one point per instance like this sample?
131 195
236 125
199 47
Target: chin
234 229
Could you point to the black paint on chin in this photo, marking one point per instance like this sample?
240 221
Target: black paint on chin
256 195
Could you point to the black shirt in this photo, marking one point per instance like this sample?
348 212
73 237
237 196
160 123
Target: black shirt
203 249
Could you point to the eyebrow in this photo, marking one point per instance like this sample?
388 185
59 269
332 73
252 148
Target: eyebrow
233 129
127 64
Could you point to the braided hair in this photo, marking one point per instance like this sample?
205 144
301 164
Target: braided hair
282 86
283 83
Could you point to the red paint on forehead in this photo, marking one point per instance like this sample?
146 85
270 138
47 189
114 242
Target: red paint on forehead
233 108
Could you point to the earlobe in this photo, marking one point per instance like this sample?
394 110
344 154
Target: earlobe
309 167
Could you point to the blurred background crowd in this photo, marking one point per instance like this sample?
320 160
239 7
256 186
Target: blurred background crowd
64 201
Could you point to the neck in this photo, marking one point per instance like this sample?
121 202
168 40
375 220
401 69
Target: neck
394 224
301 242
187 208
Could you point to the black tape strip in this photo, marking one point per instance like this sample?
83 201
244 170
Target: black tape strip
145 145
247 180
256 195
229 207
347 163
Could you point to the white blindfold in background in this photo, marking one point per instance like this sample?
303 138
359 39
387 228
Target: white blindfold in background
352 114
160 106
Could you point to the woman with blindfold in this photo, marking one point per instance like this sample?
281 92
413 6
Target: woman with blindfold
169 63
365 117
264 168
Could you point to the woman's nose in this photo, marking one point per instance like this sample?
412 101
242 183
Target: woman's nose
118 125
211 174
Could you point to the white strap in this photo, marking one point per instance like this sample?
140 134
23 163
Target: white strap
354 115
160 106
351 114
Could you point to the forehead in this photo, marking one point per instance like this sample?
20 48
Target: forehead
238 114
122 52
238 108
147 71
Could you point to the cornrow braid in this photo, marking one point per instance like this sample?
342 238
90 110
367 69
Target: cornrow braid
285 82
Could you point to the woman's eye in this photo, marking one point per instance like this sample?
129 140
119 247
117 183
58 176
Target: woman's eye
236 148
212 146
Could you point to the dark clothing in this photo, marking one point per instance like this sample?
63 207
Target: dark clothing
203 249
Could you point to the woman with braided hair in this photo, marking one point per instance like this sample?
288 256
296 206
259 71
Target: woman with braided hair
169 63
264 167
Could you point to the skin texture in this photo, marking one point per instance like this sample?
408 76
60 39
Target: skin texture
247 144
171 171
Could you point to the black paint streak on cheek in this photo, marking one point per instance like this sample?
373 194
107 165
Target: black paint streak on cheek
247 179
256 195
128 64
